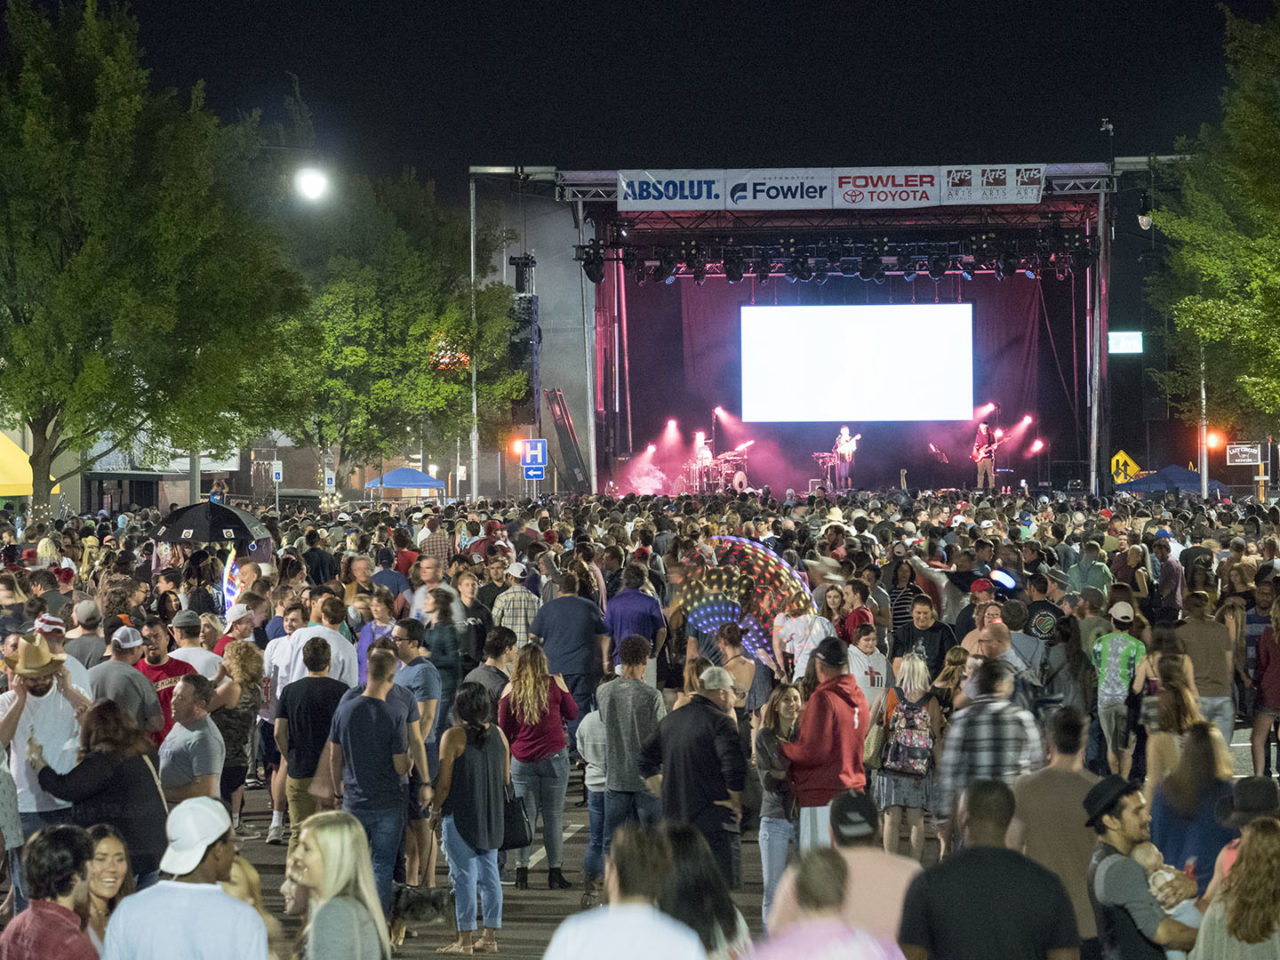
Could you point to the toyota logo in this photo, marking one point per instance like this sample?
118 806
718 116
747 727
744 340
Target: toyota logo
853 196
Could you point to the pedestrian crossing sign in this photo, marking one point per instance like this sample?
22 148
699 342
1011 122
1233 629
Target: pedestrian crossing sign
1124 468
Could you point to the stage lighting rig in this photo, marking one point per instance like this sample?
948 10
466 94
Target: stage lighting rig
1031 267
869 268
735 266
634 266
799 269
938 264
664 271
966 268
762 268
698 267
820 273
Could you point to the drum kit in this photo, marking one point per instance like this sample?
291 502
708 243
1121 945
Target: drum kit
725 472
826 461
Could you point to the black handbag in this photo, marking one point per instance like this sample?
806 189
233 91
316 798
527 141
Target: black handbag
516 829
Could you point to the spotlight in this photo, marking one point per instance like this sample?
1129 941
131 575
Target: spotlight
848 268
1144 211
799 269
869 268
966 268
718 411
834 255
699 270
593 262
672 425
907 264
664 271
820 274
762 268
1006 264
1031 268
651 449
1037 446
937 267
1061 267
1026 421
734 267
633 265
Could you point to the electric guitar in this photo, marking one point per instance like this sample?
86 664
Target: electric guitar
982 451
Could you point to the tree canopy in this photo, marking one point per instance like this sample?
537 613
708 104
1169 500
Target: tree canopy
136 290
1221 213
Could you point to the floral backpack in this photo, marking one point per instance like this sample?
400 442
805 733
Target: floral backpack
909 745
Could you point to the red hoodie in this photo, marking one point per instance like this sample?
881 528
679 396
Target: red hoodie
826 758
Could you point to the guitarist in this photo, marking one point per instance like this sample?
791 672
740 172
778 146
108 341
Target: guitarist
844 449
984 455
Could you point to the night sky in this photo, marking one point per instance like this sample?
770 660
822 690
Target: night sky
439 86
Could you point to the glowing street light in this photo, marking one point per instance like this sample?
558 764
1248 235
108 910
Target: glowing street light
312 184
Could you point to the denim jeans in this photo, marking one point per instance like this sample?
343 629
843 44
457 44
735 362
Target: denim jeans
1221 712
623 805
542 784
383 827
582 687
777 840
815 827
31 822
593 859
471 870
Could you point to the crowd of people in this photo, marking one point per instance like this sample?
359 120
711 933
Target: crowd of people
1039 694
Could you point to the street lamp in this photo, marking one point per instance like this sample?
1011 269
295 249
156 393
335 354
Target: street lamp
312 184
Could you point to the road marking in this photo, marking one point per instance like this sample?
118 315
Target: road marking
542 851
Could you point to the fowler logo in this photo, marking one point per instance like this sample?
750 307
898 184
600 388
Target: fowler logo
860 188
670 190
763 190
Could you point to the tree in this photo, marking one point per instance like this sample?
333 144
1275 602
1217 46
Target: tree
136 292
382 352
1221 284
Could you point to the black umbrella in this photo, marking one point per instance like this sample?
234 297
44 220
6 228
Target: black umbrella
208 522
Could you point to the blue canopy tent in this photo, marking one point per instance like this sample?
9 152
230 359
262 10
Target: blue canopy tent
405 478
1170 479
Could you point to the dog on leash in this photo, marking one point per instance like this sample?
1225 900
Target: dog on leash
411 904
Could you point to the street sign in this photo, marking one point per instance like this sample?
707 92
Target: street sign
1244 454
328 481
1124 468
535 473
533 453
277 471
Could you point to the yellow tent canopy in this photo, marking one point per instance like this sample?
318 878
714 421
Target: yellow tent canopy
15 470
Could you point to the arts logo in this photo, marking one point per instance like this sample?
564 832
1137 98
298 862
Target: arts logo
1029 176
960 179
995 177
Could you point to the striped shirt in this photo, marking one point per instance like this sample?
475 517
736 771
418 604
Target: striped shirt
991 739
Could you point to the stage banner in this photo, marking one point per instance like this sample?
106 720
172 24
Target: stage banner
671 190
993 183
885 188
790 188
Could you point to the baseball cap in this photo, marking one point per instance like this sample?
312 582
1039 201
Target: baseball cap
193 826
386 557
982 585
64 574
86 610
715 678
832 651
518 571
126 638
1121 612
238 611
186 618
1102 797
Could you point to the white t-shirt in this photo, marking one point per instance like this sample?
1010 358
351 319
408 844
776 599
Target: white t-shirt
633 931
871 672
204 662
342 657
51 719
277 649
79 674
801 635
194 921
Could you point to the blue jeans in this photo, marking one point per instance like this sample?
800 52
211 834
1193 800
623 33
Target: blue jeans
472 869
1221 712
622 805
542 784
593 860
582 687
383 827
777 840
31 822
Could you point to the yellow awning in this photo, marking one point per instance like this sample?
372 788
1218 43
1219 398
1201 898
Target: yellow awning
15 470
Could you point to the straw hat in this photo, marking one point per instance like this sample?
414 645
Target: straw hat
33 658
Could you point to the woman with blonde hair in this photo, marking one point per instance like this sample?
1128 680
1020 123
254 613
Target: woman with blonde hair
693 669
1184 824
234 711
532 713
333 863
1177 710
1244 922
246 885
914 726
211 630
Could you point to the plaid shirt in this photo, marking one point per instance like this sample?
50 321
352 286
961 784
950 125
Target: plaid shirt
988 740
437 545
515 609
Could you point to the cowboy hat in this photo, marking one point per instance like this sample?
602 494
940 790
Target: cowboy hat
33 658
